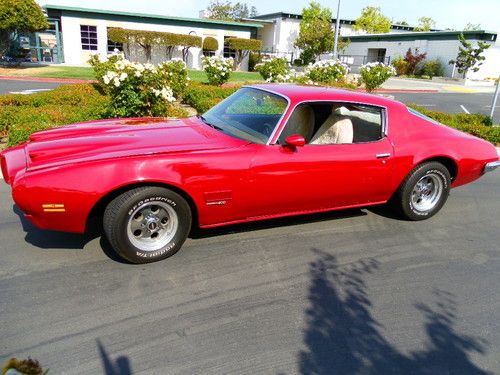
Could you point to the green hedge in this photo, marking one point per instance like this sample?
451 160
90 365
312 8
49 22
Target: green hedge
476 124
119 35
241 44
210 44
22 115
203 97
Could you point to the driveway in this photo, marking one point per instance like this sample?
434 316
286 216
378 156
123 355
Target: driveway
348 292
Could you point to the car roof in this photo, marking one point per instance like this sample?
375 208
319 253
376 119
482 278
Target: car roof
298 93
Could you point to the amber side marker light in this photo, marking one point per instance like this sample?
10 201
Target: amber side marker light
53 207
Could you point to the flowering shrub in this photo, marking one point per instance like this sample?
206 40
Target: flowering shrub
217 68
175 74
134 89
274 70
327 71
374 74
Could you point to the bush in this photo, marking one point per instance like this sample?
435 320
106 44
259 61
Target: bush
476 124
135 89
253 59
175 74
21 115
401 66
374 74
327 71
210 44
217 68
203 97
275 69
432 68
413 60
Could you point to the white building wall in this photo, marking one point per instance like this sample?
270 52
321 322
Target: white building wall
74 54
442 50
490 67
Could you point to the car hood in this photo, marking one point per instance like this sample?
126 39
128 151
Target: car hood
118 138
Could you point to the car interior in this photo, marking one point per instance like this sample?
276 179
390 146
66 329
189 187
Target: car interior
334 123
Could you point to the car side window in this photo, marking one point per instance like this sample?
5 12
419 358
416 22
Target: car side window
334 123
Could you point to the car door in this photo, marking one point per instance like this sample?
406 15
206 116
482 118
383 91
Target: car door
284 179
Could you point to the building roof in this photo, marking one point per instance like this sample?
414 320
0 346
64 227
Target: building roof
432 35
151 17
342 21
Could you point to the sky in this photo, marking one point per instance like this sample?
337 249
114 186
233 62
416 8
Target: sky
453 14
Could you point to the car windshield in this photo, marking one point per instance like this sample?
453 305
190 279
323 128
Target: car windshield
249 114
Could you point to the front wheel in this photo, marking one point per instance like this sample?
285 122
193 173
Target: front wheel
424 191
147 224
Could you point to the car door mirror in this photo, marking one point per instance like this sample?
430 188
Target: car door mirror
295 141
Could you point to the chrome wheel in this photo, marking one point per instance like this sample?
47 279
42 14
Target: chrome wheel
427 192
152 226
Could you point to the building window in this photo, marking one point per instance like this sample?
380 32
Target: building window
88 36
112 46
227 51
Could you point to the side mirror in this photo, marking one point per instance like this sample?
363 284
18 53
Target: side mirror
295 141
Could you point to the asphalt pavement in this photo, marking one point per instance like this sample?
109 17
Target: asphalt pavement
350 292
7 86
453 102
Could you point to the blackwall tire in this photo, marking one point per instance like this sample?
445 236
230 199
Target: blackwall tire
423 192
147 224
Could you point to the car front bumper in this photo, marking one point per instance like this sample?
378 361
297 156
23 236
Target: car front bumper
488 167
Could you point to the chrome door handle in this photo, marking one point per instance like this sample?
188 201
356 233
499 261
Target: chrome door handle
380 156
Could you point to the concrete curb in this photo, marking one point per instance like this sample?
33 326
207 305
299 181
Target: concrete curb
43 79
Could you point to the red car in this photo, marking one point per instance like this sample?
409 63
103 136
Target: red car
266 151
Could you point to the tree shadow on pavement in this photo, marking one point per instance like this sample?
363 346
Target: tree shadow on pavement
343 337
119 367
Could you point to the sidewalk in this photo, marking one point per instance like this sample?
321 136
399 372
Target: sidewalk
406 84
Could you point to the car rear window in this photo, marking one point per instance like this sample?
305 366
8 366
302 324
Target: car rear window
417 113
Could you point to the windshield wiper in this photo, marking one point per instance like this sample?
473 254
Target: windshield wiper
210 124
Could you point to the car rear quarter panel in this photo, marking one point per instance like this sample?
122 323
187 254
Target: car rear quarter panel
416 140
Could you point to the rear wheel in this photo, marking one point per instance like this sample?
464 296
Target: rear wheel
147 224
424 191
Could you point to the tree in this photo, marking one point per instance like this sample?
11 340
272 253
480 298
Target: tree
425 24
413 59
472 27
19 16
372 21
243 48
315 32
469 57
402 23
227 11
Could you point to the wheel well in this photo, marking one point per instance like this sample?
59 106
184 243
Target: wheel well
449 163
94 219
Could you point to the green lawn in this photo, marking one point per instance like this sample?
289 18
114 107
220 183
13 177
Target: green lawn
87 73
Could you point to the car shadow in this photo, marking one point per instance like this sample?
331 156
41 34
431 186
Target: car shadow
198 233
342 335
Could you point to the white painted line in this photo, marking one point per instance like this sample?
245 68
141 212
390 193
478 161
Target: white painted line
464 109
28 92
426 105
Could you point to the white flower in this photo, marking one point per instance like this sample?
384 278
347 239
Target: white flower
116 82
123 76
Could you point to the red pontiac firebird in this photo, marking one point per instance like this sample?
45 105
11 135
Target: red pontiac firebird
266 151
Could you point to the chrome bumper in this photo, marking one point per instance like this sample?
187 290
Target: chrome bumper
488 167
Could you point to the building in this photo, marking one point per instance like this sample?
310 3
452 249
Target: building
76 33
279 31
440 45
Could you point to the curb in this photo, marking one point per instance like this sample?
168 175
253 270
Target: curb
45 79
408 91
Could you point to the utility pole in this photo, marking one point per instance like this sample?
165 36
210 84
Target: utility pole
495 97
337 30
